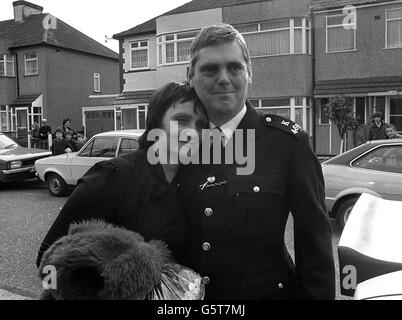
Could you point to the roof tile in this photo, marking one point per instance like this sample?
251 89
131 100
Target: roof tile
196 5
333 4
31 32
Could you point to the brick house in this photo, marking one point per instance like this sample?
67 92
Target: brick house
358 52
48 69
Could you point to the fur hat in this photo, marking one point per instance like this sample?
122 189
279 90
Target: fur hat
97 260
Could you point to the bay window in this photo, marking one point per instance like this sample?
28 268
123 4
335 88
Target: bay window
289 36
297 109
175 48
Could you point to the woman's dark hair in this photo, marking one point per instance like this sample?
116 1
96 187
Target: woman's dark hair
65 120
161 101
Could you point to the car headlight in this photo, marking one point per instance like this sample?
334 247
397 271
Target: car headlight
15 164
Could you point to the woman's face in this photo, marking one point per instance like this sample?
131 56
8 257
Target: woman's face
183 124
390 132
67 124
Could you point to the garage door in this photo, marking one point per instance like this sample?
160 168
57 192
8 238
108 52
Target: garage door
98 121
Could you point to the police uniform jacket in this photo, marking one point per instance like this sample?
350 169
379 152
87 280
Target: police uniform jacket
236 223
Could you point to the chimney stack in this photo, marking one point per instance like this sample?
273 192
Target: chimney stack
23 9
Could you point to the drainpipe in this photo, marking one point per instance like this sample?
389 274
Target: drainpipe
313 104
17 74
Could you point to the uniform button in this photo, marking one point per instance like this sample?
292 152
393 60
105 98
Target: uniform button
205 280
256 189
208 212
280 285
206 246
268 119
211 179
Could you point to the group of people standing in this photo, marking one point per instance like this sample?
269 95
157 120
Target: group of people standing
379 129
64 139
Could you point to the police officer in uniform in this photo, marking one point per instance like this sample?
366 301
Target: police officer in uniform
237 222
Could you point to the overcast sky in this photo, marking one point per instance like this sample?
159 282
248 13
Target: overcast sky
97 18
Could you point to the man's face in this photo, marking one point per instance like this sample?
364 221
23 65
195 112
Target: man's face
221 80
377 120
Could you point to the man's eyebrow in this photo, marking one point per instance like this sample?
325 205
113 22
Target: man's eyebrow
181 114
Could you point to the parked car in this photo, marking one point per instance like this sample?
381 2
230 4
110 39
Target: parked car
369 250
374 167
16 162
62 171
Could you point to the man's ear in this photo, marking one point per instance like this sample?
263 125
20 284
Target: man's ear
190 77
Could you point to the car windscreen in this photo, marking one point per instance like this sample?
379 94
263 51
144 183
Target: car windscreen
6 142
101 147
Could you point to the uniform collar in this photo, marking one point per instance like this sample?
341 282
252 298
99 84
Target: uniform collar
229 127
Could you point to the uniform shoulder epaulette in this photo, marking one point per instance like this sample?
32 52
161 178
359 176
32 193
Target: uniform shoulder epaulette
281 123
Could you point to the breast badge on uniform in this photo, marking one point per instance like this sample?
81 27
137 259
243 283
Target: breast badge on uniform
211 183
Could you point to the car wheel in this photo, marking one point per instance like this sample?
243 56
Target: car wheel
344 210
56 185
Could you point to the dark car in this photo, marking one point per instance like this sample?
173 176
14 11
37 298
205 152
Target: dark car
16 162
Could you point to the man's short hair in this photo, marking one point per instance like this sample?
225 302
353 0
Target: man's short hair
215 35
377 115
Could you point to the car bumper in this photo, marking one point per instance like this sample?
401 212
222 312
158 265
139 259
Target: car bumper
17 174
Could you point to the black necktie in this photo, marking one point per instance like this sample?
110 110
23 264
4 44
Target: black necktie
217 146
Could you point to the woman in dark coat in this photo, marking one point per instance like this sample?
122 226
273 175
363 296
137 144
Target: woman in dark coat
131 192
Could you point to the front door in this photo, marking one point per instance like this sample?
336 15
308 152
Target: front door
22 122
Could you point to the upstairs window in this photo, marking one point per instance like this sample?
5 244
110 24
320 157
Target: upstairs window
175 48
394 28
31 64
341 32
97 87
7 65
139 55
289 36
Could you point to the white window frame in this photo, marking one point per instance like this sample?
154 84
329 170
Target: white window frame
6 112
31 59
162 42
386 27
354 25
139 48
97 82
291 29
6 59
140 108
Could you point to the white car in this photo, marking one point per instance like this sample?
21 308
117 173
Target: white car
62 171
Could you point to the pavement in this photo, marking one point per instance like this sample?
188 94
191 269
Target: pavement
7 295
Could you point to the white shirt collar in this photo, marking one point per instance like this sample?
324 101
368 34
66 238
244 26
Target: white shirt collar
229 127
